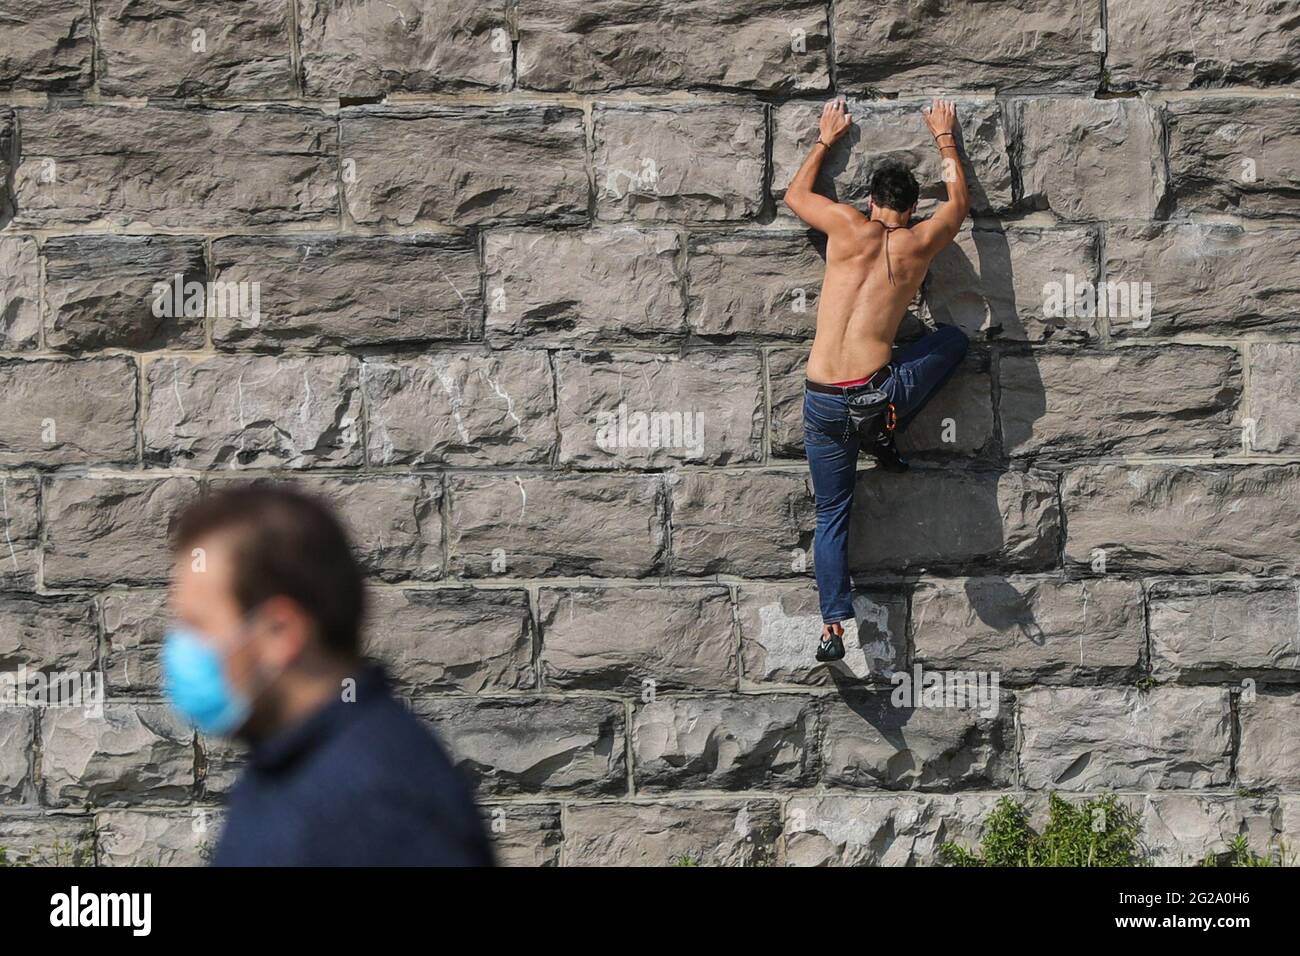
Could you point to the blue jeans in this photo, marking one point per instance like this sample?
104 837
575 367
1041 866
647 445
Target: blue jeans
831 442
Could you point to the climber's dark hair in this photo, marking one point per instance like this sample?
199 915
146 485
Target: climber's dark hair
894 186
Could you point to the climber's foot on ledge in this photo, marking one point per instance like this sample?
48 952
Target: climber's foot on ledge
831 647
885 451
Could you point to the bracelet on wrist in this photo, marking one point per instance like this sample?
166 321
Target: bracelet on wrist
827 145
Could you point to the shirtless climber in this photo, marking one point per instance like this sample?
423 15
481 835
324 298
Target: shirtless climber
859 392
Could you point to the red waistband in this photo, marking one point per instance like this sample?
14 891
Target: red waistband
856 381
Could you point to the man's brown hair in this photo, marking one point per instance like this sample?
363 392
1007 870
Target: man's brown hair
285 543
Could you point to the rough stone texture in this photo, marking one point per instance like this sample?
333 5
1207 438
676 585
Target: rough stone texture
394 522
1270 751
1235 155
79 412
1075 738
433 248
153 838
635 638
325 291
452 639
1182 518
1090 159
463 166
993 282
372 47
1166 400
704 833
132 622
43 634
1221 630
754 286
655 410
102 531
757 524
20 276
20 522
763 742
531 526
1187 829
1274 395
110 292
460 409
694 163
17 739
618 284
253 410
1210 278
885 130
132 754
46 45
176 168
898 46
151 48
775 623
539 745
525 834
1008 519
1030 630
896 829
1216 42
871 741
769 45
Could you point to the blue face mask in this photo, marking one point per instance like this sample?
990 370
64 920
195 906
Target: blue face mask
195 683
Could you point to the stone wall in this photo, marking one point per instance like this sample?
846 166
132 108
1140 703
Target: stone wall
477 241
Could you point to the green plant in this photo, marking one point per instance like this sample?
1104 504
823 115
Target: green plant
1098 832
1239 853
684 859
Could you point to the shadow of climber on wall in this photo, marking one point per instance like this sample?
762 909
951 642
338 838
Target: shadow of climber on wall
267 602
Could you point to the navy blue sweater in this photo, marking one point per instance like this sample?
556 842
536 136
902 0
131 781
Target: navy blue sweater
355 784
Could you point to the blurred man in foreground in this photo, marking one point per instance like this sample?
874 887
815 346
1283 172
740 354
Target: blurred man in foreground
267 602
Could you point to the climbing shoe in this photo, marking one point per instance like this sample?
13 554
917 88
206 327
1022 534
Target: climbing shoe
830 648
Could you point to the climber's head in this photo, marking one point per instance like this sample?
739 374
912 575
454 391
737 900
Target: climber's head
894 187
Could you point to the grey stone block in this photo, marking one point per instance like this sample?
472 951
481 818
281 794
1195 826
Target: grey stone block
1031 630
522 745
460 409
232 411
470 640
535 525
678 163
758 742
703 833
213 168
586 288
1181 518
200 48
637 639
463 165
1167 738
768 45
68 412
654 410
322 292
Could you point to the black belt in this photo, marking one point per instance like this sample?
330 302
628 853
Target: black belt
879 378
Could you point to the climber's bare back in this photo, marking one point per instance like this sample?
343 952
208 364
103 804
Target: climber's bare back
860 310
874 262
